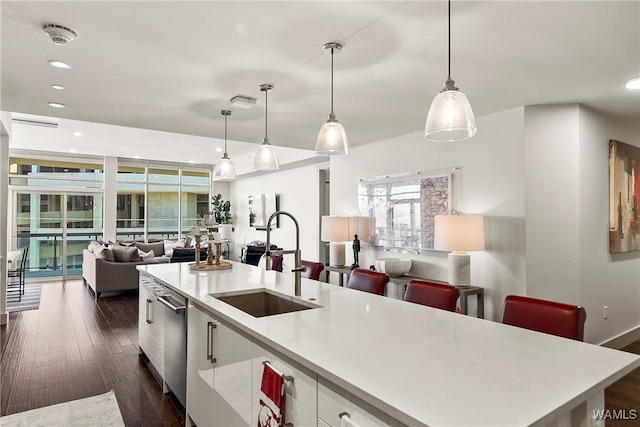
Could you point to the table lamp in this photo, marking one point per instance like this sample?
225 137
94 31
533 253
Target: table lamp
335 230
459 234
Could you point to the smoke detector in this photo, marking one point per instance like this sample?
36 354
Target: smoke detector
59 34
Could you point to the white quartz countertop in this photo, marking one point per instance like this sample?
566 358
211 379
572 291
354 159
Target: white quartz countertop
420 365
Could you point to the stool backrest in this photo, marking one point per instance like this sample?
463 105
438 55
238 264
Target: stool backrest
312 270
368 281
563 320
432 294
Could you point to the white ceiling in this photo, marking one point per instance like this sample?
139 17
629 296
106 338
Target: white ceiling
170 66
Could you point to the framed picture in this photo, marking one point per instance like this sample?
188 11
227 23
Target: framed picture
624 190
261 206
401 210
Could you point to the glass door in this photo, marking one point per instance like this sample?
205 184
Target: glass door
56 228
83 218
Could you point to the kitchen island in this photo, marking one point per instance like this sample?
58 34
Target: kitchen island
407 363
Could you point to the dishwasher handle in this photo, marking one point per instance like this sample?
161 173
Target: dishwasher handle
176 309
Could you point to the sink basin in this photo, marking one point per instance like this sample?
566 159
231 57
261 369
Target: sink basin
261 302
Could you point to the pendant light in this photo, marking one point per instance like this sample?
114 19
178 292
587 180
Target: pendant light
266 157
225 171
332 139
450 117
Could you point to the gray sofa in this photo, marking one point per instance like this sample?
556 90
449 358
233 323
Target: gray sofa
114 268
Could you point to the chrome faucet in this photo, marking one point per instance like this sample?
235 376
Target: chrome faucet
268 252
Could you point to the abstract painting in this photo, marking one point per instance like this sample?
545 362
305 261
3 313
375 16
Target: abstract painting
624 191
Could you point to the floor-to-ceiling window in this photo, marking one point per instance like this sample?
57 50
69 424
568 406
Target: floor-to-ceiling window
57 211
58 206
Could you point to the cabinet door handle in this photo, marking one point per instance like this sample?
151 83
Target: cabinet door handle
148 311
211 327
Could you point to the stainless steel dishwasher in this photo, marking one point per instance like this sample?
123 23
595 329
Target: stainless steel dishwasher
175 343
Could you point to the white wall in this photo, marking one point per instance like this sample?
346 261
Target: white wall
568 215
553 202
298 190
491 183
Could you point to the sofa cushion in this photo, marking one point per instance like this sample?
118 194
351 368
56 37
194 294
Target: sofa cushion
102 252
125 254
157 247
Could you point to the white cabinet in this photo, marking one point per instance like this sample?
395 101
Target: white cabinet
151 323
218 372
332 401
301 399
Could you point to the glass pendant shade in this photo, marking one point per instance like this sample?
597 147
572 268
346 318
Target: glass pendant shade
450 118
332 139
266 158
224 171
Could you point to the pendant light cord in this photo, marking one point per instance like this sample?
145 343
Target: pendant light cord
266 112
449 71
332 81
225 135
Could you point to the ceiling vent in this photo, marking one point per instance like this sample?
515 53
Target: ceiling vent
243 101
59 34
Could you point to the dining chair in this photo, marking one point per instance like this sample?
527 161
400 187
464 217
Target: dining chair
368 281
431 294
276 262
555 318
18 274
312 270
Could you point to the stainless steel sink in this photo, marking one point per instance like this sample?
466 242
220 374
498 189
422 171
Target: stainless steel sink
261 302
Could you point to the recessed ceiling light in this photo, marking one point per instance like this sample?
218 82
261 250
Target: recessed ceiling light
72 150
77 133
136 156
59 64
59 87
633 83
56 105
219 150
191 161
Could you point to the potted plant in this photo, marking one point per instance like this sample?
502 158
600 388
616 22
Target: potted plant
221 210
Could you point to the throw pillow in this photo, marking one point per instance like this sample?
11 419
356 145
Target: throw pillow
103 252
146 256
93 245
169 246
125 254
156 247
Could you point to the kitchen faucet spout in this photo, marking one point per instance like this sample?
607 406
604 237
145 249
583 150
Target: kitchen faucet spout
298 269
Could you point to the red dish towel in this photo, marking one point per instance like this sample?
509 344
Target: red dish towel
271 397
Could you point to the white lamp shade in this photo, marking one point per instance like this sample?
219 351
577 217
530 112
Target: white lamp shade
224 171
450 118
266 158
459 233
335 229
332 139
360 225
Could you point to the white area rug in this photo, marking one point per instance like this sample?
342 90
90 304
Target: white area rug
101 410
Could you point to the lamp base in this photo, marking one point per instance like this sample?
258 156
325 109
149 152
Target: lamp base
336 254
460 269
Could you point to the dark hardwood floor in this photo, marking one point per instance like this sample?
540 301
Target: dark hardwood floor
73 347
623 397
